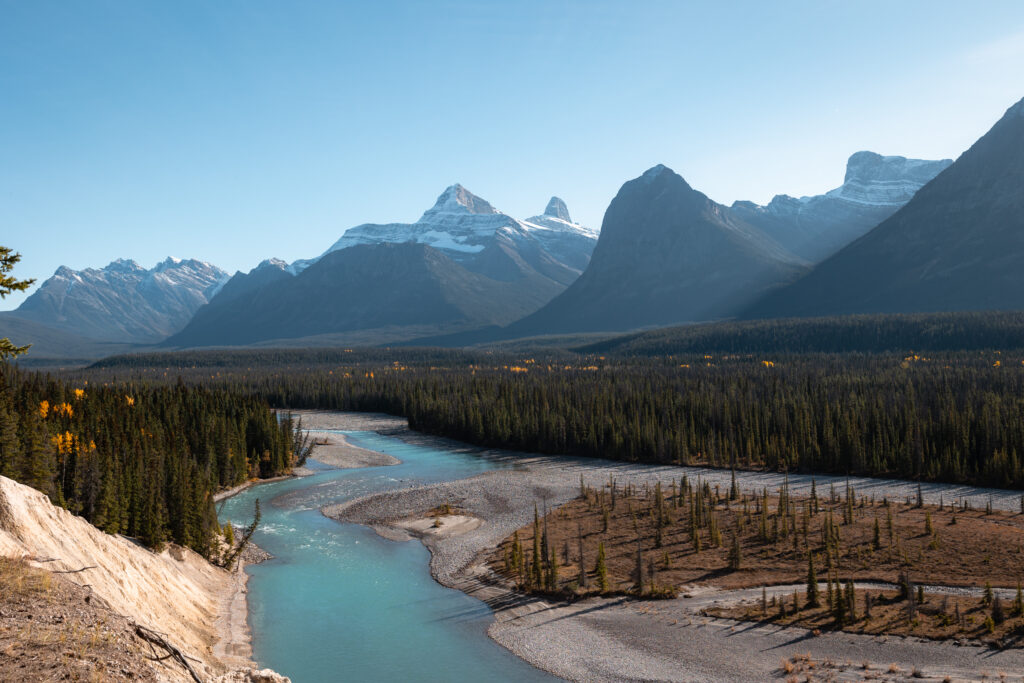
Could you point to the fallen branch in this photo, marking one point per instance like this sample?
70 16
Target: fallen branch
71 571
153 637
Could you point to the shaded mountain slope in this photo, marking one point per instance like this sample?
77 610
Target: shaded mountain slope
361 288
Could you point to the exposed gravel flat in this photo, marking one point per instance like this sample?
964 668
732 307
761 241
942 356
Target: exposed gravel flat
626 640
335 450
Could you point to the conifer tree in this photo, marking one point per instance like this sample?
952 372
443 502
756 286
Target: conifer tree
536 568
735 554
8 285
581 579
552 573
812 582
601 569
998 614
638 570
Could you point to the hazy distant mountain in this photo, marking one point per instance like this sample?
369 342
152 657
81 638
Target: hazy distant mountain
51 345
957 245
123 302
816 227
463 264
666 254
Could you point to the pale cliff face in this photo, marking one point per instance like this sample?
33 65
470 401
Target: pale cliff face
175 592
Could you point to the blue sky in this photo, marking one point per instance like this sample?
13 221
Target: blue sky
233 131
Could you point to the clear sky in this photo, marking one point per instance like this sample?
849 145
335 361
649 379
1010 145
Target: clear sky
237 130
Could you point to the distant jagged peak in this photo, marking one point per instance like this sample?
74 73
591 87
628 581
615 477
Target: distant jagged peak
556 219
174 263
556 208
122 265
280 264
457 199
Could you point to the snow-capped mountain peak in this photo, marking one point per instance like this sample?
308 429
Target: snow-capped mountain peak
457 199
462 224
556 208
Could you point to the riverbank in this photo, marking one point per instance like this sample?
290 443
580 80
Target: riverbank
619 639
234 644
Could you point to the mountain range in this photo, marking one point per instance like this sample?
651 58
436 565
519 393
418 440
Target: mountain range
463 264
899 235
122 302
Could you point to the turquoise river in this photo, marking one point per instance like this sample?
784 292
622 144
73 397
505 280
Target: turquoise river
339 603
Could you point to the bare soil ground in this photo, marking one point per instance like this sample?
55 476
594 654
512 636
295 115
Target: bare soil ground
52 629
956 548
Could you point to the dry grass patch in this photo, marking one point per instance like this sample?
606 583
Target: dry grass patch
52 629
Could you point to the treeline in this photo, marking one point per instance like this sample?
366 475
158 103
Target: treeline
288 358
955 417
920 332
142 459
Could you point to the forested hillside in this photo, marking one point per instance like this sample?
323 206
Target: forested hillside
950 416
138 458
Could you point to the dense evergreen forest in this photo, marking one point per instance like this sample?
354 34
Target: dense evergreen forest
143 459
950 416
906 332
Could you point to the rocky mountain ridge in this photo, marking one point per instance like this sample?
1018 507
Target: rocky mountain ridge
124 302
